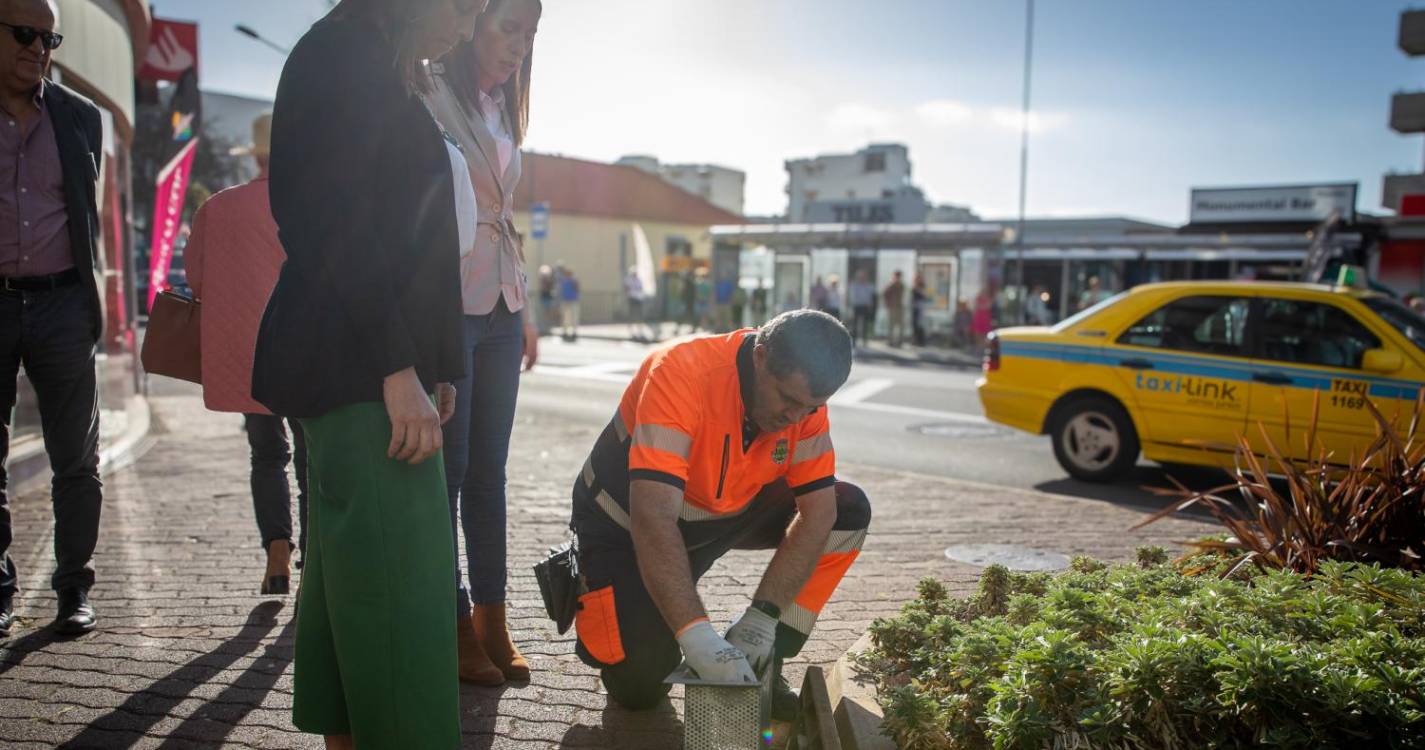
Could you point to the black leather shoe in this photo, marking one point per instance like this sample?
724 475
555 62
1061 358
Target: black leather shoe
7 615
76 616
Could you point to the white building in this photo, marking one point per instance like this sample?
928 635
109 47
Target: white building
879 172
721 186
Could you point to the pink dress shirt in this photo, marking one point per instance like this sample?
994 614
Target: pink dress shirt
232 260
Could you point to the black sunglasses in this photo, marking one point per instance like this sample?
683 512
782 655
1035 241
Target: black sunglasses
26 35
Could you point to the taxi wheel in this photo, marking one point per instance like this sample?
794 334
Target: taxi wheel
1094 439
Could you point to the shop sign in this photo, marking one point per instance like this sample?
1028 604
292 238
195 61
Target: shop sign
1297 203
172 50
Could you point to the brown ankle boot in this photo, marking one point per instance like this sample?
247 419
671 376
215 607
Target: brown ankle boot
494 635
475 664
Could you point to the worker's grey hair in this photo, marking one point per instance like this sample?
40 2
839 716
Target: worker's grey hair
811 343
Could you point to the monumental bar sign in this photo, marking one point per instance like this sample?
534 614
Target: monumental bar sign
1291 203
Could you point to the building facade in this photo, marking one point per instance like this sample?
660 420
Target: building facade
873 181
723 187
599 216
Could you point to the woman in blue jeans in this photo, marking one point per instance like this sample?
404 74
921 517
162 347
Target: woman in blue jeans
480 95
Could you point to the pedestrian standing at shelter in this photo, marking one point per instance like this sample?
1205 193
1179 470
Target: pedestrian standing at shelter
982 321
633 299
919 303
569 303
232 260
51 304
480 94
863 307
719 443
361 341
739 305
688 294
1093 294
833 296
548 302
819 295
759 304
894 297
703 299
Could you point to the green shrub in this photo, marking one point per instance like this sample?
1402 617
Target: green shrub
1143 656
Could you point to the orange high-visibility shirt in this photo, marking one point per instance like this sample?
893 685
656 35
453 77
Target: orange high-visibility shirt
680 422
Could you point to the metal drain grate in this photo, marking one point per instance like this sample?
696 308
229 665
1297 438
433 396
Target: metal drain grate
723 716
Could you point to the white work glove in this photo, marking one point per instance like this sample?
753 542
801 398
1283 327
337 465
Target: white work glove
754 635
713 658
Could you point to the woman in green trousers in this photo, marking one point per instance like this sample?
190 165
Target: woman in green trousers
360 342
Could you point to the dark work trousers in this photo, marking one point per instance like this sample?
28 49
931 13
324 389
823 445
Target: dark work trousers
640 650
51 333
477 444
863 317
271 494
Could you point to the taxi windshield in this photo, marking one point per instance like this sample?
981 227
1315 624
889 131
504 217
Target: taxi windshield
1401 318
1088 312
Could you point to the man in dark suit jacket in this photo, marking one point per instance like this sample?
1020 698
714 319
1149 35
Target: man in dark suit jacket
51 314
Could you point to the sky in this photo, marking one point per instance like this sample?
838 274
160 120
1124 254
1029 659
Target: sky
1134 101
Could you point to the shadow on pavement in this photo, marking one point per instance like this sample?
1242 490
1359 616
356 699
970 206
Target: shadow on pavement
148 707
479 712
628 730
1133 493
13 652
214 720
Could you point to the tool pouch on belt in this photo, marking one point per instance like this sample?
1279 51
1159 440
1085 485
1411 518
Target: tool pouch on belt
558 576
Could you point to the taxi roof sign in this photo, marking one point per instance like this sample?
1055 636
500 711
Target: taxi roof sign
1352 277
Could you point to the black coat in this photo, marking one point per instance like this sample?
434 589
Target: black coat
80 135
362 193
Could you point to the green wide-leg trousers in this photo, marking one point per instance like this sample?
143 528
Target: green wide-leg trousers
375 638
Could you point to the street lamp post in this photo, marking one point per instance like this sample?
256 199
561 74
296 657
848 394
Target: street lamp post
1024 161
248 31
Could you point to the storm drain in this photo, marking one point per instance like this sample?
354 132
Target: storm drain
1011 556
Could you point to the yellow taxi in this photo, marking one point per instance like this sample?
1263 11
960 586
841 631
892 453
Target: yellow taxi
1178 371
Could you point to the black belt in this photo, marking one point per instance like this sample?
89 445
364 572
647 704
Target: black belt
39 283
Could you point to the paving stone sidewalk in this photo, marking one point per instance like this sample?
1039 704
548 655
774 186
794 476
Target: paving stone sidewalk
188 655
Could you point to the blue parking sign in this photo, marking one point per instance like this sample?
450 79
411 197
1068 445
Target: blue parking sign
539 220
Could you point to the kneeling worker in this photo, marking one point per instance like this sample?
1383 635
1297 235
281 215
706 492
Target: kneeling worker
719 443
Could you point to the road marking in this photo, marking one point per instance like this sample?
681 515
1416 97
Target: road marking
851 398
911 411
861 390
599 373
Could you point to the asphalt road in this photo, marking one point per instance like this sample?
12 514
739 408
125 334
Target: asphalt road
921 419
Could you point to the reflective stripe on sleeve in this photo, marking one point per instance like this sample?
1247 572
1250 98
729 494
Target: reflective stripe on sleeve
662 438
812 448
620 429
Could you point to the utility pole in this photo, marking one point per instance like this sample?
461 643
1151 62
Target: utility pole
1020 294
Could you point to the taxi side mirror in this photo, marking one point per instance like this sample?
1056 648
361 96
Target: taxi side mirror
1382 360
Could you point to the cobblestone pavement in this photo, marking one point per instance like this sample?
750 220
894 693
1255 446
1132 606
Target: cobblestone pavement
188 655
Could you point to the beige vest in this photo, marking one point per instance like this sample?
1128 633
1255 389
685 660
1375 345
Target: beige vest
495 268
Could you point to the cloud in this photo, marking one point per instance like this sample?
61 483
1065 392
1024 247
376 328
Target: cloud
949 112
944 112
860 118
1039 122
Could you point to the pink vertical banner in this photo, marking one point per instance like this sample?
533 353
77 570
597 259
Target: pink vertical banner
168 216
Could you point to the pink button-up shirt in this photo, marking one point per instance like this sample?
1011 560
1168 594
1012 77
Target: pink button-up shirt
34 219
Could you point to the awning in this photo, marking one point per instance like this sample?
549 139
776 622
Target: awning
861 236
